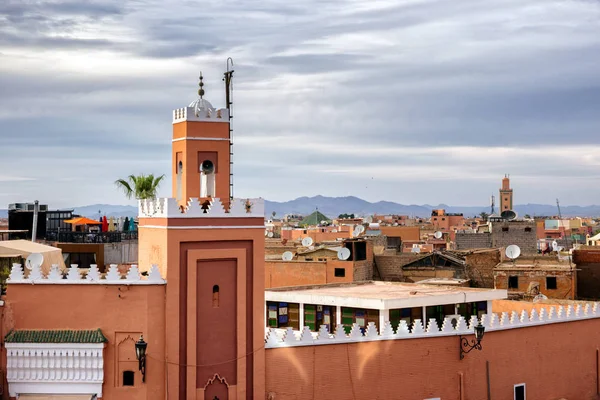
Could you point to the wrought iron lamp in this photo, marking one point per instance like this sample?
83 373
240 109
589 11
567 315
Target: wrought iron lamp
466 347
140 354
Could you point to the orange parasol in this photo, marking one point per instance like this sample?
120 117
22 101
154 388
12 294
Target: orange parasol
82 221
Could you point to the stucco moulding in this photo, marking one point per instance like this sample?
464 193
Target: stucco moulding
93 276
200 114
169 208
275 338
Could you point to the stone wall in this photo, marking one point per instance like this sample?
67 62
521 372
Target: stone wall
389 267
521 233
466 241
480 267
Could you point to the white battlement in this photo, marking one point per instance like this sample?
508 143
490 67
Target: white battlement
169 208
112 277
200 114
275 338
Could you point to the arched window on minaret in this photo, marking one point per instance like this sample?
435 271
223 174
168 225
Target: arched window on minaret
215 299
207 179
179 177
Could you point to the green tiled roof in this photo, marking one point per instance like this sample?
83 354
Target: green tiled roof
314 219
63 336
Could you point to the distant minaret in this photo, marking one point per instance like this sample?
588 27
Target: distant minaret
506 195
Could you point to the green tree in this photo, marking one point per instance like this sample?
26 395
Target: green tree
484 216
141 186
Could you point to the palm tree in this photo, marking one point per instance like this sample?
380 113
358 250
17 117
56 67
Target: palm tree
140 187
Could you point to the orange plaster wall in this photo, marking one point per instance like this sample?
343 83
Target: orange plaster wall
120 311
554 361
302 273
404 232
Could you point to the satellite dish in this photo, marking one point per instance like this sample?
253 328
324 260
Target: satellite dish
358 230
509 215
540 297
415 250
307 241
369 219
343 254
554 245
438 235
34 260
270 234
266 232
287 256
395 224
513 251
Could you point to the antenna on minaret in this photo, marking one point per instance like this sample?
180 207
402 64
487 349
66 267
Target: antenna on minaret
201 84
493 201
228 79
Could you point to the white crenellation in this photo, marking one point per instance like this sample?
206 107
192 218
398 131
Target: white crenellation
340 333
169 208
461 325
55 274
154 274
35 273
113 273
371 330
417 328
587 310
447 325
133 274
306 335
402 328
203 115
569 312
16 273
388 330
356 332
323 333
72 368
432 326
473 322
93 273
560 314
93 276
490 321
74 274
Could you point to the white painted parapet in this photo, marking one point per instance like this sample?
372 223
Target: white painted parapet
207 114
285 338
93 276
168 207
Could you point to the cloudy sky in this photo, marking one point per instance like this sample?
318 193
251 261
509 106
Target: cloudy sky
413 101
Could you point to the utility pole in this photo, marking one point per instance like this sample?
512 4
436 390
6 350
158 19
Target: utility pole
36 207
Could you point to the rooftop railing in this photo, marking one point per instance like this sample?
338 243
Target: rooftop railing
90 237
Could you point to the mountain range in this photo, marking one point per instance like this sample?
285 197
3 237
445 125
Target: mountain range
334 206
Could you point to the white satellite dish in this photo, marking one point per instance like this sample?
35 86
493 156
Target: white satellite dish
343 254
513 251
395 224
307 241
358 230
287 256
438 235
369 219
266 232
270 234
34 260
554 245
415 250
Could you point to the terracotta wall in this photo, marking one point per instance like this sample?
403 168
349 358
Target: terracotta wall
403 232
566 287
546 358
121 312
301 273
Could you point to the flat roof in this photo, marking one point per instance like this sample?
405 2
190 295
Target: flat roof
382 295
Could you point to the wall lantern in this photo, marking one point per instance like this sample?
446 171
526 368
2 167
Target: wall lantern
466 347
140 354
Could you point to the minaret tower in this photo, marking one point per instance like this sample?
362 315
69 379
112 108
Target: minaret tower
201 154
506 195
210 249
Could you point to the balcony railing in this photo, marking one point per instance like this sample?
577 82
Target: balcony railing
90 237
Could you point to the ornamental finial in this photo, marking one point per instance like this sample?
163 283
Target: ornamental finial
201 84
